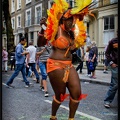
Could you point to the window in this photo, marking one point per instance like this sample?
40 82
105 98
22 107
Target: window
32 36
95 3
71 2
109 23
113 1
50 2
19 21
18 4
13 23
28 1
108 32
13 6
28 17
38 13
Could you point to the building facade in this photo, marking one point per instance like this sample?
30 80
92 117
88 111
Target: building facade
26 14
104 26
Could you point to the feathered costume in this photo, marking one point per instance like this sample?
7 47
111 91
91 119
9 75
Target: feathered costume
60 9
56 12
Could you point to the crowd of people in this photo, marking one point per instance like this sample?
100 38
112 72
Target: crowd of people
53 57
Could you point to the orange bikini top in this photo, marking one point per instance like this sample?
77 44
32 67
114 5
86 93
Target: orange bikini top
61 43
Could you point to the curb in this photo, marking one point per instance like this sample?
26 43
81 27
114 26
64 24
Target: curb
94 81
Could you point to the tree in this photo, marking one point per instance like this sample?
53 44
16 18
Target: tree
9 30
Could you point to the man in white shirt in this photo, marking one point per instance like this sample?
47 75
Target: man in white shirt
30 60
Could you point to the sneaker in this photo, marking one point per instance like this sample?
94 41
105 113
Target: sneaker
105 72
31 84
42 88
37 81
9 86
46 94
107 105
89 75
27 86
80 72
93 77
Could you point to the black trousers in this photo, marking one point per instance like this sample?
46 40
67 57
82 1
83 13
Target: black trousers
13 64
80 66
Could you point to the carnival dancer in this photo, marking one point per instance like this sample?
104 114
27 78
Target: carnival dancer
66 32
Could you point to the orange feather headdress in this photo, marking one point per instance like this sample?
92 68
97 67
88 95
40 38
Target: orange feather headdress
78 12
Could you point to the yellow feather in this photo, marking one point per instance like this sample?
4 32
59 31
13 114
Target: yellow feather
79 5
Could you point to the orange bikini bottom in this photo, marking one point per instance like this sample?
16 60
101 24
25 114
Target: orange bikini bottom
59 64
66 65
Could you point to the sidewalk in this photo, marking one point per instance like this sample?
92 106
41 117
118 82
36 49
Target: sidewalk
102 78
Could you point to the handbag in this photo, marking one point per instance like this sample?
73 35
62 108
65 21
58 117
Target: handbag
91 66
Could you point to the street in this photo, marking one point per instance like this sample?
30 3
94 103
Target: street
22 103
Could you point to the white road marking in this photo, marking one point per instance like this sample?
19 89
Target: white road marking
77 112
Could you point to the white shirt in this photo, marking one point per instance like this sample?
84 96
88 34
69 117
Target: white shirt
86 57
32 52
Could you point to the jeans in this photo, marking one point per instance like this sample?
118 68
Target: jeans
42 66
88 71
19 67
113 85
33 68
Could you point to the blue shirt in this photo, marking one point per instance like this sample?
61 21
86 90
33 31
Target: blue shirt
20 59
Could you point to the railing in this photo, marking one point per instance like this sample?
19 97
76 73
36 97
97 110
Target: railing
101 57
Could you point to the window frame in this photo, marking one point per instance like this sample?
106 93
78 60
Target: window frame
109 24
12 6
18 4
26 15
39 5
13 25
27 2
18 26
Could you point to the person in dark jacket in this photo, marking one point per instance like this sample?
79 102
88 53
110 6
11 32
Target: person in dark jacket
93 55
12 60
112 57
80 53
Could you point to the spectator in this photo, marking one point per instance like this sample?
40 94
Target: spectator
93 55
12 60
86 58
80 53
112 57
88 41
20 64
5 59
30 62
43 52
105 63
